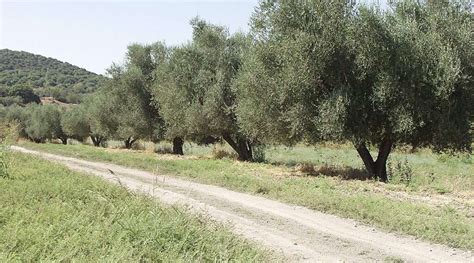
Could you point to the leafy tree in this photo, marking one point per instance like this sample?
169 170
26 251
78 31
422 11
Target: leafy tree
19 115
194 87
100 119
332 71
75 123
17 95
45 123
132 113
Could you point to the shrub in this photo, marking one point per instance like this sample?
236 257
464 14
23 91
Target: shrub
7 133
163 149
218 152
259 154
138 146
400 171
306 168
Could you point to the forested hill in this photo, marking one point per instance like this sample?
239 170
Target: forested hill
46 76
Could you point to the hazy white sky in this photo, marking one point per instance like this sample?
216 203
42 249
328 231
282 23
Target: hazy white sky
93 34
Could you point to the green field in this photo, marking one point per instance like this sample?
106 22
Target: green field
49 213
394 206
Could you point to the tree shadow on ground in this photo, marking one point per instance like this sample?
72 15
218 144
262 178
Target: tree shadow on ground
343 172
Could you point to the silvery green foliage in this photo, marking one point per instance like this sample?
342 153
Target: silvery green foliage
298 59
44 123
194 88
75 122
332 70
125 109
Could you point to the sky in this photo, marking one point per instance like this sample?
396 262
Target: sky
93 34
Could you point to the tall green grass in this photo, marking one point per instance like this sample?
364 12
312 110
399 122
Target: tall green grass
49 213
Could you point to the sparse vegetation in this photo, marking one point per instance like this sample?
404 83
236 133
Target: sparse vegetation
3 155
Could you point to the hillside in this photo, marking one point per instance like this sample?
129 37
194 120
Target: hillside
46 76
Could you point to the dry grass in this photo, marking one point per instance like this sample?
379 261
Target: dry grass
219 152
343 172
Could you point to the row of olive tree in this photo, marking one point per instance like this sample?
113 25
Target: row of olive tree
38 123
309 71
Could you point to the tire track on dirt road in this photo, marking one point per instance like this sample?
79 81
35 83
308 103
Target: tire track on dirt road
297 233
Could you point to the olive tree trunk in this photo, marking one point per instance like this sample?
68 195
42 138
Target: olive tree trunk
178 146
129 142
97 140
241 146
376 168
63 140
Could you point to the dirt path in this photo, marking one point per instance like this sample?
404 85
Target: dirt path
297 233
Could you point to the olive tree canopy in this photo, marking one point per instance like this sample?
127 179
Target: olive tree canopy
195 87
336 71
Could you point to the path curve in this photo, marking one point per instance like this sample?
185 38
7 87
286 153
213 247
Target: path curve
297 233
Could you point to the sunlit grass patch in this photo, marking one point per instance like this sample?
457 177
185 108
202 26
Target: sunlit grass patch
49 213
368 201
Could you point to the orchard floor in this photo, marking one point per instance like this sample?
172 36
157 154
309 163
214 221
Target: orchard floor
429 196
49 213
295 233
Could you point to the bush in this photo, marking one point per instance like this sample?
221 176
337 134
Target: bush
259 154
139 146
306 168
400 171
218 152
163 149
7 133
3 161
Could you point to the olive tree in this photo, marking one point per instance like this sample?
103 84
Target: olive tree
100 119
194 87
44 123
335 71
75 123
127 98
19 115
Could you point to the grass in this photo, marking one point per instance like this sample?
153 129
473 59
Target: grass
432 173
49 213
361 200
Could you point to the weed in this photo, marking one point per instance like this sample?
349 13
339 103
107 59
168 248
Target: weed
218 152
259 154
7 135
306 168
138 146
392 259
401 171
163 149
3 162
262 190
